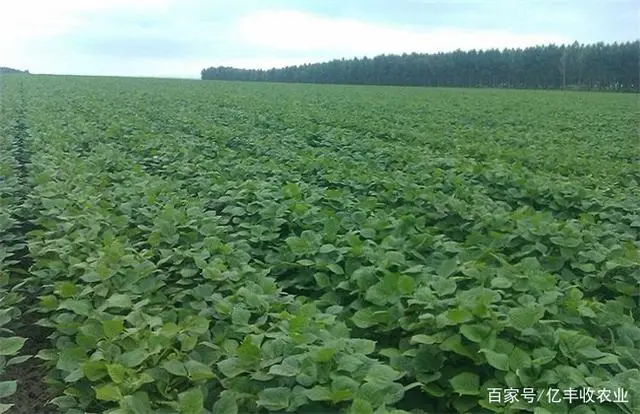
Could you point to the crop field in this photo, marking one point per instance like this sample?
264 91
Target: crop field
175 246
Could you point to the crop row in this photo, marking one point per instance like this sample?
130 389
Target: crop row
14 260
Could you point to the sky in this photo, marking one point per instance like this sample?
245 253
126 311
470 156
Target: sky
178 38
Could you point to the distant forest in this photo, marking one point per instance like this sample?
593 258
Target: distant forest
4 69
599 66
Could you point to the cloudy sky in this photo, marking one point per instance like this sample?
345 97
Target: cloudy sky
177 38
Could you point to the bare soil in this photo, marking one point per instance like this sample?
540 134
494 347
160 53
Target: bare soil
33 394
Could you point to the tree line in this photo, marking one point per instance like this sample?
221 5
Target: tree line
4 69
596 66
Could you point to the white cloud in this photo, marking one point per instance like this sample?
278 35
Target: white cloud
180 37
295 31
32 19
28 22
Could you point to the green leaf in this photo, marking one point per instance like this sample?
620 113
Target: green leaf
318 393
475 333
322 280
609 359
274 398
447 268
108 392
382 374
297 245
112 328
335 268
454 343
74 376
585 267
80 307
11 345
290 367
384 291
117 373
134 358
566 241
394 257
360 406
248 352
365 277
65 402
406 284
94 370
237 211
19 359
118 300
542 356
48 302
444 287
231 367
343 382
324 354
306 262
586 311
458 315
169 330
198 325
591 352
8 388
422 339
496 360
70 358
363 346
364 318
519 359
501 282
466 383
464 404
198 371
226 404
175 367
137 403
349 363
327 248
188 342
524 318
291 190
191 402
374 393
240 316
5 407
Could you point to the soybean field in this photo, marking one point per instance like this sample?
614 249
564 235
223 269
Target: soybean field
190 247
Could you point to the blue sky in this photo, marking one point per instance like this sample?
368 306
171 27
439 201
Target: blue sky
177 38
